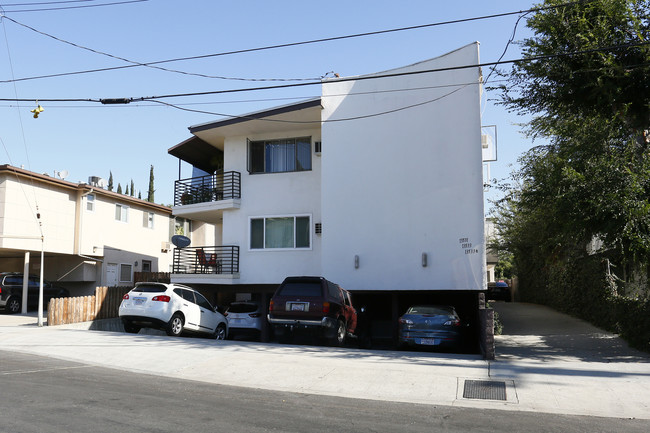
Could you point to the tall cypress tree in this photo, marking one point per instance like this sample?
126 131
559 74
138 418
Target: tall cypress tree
110 181
151 188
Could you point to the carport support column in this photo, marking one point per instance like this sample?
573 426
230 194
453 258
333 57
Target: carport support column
25 283
265 336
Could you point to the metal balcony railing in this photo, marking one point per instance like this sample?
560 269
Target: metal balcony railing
203 189
223 259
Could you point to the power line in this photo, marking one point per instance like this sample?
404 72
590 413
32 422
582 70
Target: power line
293 44
73 7
135 63
46 3
362 78
366 116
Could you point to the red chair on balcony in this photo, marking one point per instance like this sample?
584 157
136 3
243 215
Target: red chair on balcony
204 262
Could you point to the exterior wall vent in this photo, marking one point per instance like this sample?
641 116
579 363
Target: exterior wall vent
319 228
317 147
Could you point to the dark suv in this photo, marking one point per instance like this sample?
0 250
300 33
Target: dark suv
11 292
312 303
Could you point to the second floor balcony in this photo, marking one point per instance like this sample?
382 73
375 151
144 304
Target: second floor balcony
223 185
204 198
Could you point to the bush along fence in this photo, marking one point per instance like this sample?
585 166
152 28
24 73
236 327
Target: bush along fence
104 304
583 287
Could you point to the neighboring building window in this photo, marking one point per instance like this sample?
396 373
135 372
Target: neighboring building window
122 213
125 273
148 220
280 232
279 156
90 202
146 266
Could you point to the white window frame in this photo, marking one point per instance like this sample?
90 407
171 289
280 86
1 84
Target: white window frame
119 273
90 202
124 213
148 221
294 216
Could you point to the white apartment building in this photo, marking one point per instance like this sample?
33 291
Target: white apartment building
376 185
89 236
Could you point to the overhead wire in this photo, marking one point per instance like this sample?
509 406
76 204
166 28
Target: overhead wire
342 79
148 65
75 7
36 214
292 44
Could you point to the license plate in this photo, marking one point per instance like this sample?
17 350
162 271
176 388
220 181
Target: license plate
297 307
139 301
429 341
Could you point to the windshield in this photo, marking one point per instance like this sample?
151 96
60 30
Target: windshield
429 310
301 289
242 308
150 288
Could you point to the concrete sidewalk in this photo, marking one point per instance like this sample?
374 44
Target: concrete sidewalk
554 366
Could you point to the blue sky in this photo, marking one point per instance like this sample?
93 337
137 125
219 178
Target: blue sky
90 139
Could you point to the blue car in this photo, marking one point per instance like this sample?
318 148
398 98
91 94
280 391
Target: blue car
431 325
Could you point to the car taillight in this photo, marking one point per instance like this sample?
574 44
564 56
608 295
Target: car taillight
271 305
126 296
453 322
161 298
405 321
254 315
326 307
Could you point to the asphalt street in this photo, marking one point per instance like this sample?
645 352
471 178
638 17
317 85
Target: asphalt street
41 394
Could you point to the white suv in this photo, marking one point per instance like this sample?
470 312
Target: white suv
173 308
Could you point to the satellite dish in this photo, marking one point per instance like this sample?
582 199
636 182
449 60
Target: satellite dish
181 241
62 174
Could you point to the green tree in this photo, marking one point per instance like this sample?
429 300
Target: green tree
119 188
110 181
586 83
132 188
151 191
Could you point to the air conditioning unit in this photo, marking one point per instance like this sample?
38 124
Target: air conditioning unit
166 246
317 148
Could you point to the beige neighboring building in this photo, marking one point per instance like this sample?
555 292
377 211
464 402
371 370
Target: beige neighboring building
90 236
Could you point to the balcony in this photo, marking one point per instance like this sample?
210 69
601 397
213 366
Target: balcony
210 261
204 198
214 187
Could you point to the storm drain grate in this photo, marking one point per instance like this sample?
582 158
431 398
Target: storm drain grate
485 390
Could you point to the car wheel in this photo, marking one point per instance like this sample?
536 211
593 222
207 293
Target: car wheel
339 337
175 325
13 305
131 329
220 332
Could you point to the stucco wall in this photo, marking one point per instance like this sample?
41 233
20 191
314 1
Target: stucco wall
407 182
272 194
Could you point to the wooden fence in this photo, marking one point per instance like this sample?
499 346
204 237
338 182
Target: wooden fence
104 304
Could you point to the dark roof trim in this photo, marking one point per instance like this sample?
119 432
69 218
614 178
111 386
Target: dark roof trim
257 115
